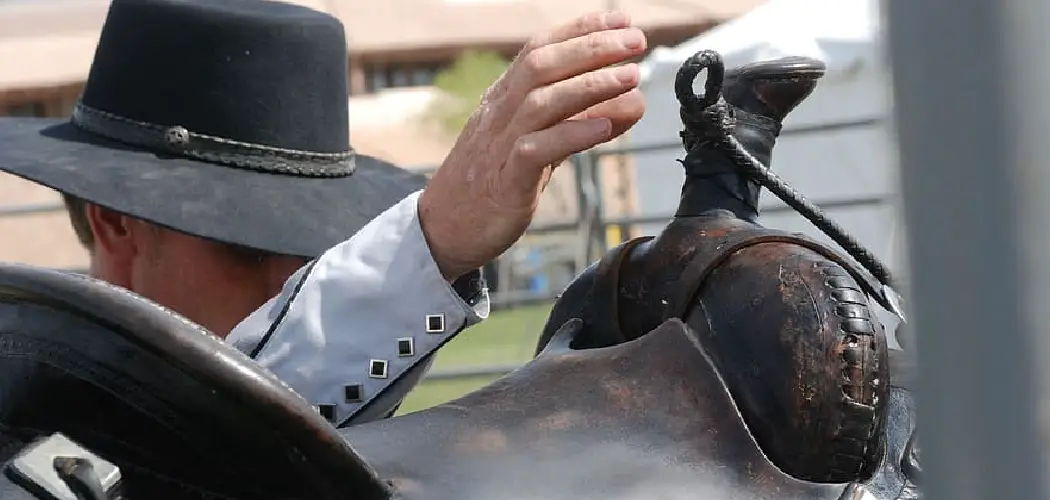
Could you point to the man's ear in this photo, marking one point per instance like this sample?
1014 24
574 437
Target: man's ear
112 230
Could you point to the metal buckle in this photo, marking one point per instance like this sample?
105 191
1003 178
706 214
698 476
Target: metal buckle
34 468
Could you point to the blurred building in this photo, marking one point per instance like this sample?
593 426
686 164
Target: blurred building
395 49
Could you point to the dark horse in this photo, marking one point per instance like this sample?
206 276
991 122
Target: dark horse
763 376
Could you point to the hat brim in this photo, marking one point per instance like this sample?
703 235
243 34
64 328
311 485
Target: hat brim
282 214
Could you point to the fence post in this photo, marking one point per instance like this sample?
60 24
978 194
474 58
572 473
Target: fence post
599 241
584 212
970 98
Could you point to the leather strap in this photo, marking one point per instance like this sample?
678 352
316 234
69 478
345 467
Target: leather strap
700 268
605 290
178 140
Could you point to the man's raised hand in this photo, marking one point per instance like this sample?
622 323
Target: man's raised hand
561 95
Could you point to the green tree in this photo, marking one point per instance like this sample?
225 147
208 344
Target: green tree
462 85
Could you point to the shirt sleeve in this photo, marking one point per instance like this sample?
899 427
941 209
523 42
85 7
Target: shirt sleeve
350 323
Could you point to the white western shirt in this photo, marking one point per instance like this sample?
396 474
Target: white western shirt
349 324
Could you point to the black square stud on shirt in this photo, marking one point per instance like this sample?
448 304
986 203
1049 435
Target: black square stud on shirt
377 368
406 347
354 393
435 323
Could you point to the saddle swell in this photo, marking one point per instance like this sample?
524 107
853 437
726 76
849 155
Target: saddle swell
789 327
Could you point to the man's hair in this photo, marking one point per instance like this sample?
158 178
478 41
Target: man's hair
77 210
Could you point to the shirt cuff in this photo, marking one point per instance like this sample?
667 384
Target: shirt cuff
356 319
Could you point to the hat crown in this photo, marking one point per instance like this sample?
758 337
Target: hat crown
251 71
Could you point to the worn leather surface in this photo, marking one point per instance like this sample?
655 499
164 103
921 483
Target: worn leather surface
186 417
899 473
182 413
649 418
791 332
788 321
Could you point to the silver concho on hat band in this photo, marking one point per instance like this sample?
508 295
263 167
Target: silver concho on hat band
179 140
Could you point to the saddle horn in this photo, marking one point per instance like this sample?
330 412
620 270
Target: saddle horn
709 119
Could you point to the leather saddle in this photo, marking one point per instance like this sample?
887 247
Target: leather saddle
182 415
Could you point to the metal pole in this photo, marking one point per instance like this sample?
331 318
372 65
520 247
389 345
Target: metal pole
971 103
583 216
598 240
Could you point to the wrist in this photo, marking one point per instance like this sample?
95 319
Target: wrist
448 265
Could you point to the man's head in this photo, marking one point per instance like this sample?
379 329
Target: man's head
213 284
243 144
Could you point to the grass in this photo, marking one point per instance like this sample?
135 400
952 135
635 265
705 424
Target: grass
506 337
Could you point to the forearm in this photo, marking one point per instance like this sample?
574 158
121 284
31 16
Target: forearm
376 300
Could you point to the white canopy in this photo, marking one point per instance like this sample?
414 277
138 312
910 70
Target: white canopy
835 148
838 32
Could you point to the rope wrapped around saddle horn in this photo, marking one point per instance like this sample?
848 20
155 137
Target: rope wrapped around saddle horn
709 119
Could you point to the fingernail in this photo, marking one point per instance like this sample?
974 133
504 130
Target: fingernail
627 74
616 19
600 126
633 39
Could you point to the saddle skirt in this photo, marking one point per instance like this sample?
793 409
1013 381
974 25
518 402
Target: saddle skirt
185 416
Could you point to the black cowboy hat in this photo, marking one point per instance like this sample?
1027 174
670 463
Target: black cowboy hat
224 119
